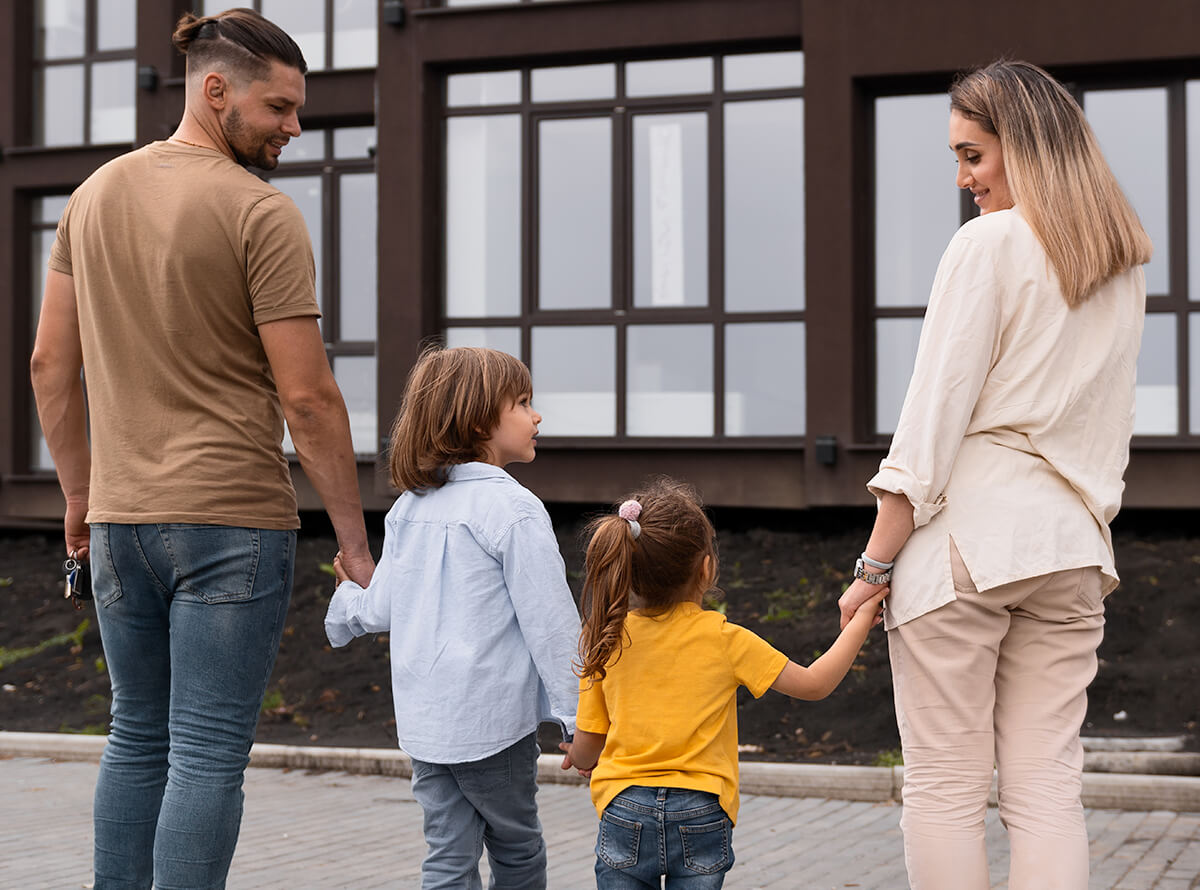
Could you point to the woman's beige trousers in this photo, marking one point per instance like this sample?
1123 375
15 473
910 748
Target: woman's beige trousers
997 677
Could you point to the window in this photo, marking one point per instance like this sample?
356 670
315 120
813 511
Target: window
44 224
84 72
330 33
1145 133
330 174
635 231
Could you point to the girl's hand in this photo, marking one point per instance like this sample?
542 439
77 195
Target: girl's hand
860 595
339 570
567 762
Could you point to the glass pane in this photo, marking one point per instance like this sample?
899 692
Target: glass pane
575 213
504 339
59 29
764 379
116 24
113 98
354 40
212 7
896 341
357 250
58 105
353 142
669 77
574 82
484 88
669 380
1157 394
764 71
355 375
43 240
306 192
575 380
1193 197
1131 126
670 209
764 205
1194 372
49 209
304 20
308 146
39 453
483 216
917 207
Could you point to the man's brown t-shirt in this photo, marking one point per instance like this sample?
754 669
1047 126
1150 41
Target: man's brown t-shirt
177 255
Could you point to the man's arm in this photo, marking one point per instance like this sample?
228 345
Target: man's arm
320 428
55 371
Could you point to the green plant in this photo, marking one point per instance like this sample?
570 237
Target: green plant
272 701
891 757
86 729
327 568
74 639
6 582
101 665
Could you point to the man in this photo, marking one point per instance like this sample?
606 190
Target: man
183 286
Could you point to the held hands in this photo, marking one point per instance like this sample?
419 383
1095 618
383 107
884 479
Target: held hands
568 762
356 569
862 597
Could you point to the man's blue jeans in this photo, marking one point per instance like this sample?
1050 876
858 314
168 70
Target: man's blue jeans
485 803
647 833
190 617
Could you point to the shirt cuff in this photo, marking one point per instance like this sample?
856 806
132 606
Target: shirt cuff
894 480
340 627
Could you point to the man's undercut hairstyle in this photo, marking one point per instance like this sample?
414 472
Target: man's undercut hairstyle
238 42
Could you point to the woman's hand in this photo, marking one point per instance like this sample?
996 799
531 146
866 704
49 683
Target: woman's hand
857 595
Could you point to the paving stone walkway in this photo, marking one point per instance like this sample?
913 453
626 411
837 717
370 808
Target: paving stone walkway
313 831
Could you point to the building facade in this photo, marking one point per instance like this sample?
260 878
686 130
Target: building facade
709 226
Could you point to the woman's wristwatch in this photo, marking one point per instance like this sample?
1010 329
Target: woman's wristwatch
864 567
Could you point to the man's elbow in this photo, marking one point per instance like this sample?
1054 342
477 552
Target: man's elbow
47 370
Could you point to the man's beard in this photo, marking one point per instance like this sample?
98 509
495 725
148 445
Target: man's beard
234 130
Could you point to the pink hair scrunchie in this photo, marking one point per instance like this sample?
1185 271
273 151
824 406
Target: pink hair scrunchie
630 511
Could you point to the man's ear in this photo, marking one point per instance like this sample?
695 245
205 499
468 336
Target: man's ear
215 90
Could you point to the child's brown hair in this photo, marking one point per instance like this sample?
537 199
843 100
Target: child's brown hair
452 403
651 547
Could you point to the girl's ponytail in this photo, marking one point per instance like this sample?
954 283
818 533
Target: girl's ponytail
608 582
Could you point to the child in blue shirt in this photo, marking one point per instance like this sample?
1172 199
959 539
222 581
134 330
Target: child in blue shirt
483 628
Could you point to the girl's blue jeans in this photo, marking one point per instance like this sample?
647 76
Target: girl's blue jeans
648 833
488 804
190 617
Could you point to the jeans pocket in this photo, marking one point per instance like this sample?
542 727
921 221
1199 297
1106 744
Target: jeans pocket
214 563
707 848
484 776
617 845
106 585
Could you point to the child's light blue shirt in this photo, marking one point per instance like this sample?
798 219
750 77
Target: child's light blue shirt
484 631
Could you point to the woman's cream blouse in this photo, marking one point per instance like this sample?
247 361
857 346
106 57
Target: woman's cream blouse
1015 431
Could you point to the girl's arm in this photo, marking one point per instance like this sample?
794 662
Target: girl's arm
584 751
822 676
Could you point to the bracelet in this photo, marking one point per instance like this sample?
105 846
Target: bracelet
882 566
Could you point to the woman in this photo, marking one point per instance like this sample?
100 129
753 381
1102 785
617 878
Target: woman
1002 479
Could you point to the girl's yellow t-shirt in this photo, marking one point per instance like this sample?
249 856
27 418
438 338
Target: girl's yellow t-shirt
668 704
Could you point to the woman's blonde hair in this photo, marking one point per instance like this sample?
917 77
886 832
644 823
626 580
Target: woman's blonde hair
452 404
1056 173
661 565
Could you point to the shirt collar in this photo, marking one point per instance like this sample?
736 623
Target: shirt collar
475 470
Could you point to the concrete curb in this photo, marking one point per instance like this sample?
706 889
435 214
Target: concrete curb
1101 790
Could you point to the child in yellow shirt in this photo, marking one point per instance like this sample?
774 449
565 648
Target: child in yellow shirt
657 720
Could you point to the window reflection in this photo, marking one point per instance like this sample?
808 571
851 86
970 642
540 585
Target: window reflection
483 216
1157 393
574 82
354 43
306 192
484 88
1131 126
60 26
1194 372
304 21
764 71
575 380
503 339
113 99
669 380
669 77
116 25
670 209
916 200
355 375
896 342
764 205
58 93
357 253
353 142
575 213
764 379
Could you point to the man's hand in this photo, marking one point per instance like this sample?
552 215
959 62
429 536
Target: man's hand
358 569
77 534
